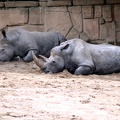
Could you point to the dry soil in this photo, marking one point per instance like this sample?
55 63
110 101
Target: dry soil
28 94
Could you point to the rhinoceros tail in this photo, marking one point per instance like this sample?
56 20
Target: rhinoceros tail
61 38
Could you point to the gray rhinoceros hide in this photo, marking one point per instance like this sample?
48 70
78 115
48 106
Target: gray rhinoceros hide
20 42
82 58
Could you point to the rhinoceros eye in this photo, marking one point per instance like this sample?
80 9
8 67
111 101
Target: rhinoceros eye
53 62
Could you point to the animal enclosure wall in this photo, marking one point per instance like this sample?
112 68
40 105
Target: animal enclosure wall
91 20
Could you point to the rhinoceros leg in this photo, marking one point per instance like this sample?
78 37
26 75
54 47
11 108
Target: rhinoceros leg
17 58
28 57
83 70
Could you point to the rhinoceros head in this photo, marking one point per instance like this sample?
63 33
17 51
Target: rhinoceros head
7 45
6 53
54 64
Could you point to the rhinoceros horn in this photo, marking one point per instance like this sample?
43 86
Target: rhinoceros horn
39 62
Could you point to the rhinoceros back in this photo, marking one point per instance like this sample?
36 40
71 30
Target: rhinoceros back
106 58
47 40
61 38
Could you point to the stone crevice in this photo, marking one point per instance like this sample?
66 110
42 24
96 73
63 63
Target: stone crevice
71 22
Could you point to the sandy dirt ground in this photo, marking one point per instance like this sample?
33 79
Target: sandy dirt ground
28 94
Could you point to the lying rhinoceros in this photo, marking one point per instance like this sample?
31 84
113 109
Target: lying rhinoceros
20 42
81 58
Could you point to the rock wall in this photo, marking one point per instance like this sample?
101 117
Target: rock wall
96 21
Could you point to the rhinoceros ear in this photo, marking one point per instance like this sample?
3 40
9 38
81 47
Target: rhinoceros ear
4 33
65 47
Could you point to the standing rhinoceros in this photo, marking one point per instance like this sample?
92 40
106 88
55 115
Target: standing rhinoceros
20 42
81 58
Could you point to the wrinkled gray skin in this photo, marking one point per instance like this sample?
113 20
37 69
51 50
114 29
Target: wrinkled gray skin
81 58
20 42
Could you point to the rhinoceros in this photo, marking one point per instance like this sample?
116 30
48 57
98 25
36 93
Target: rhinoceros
19 42
81 58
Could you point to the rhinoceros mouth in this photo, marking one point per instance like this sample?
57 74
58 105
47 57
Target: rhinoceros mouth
4 60
46 71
